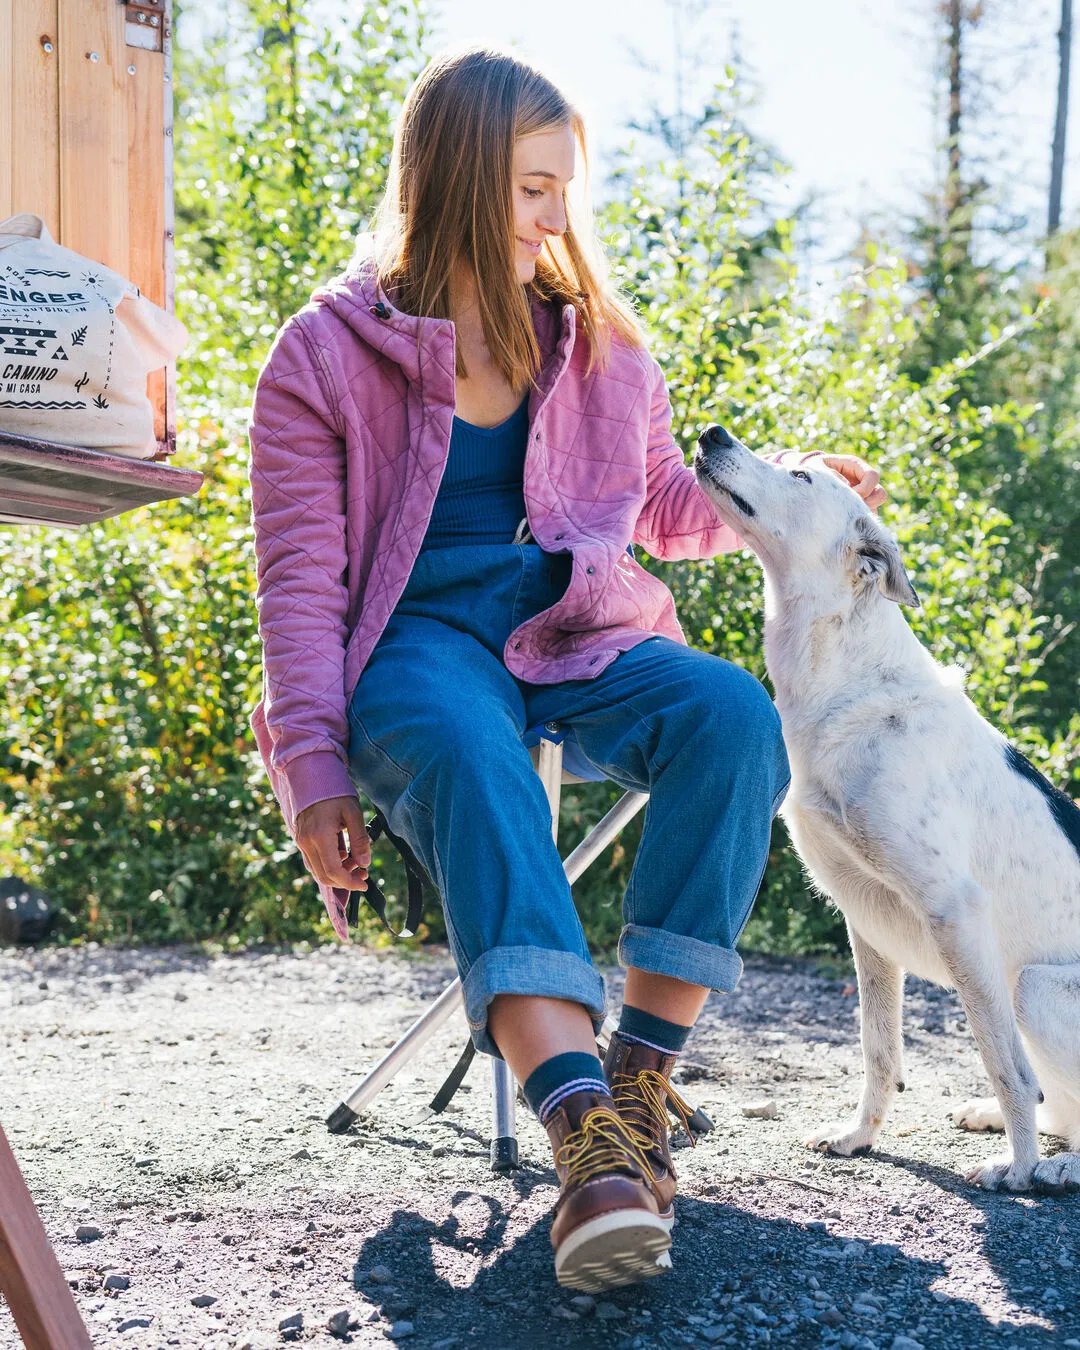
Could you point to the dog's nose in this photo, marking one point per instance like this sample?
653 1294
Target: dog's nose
717 438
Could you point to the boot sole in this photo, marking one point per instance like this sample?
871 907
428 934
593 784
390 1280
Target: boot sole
613 1250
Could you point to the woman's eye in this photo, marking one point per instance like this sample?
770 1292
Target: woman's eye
802 476
534 192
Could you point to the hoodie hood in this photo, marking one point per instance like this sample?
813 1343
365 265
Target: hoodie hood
408 340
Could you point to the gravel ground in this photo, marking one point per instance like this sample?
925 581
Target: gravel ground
175 1104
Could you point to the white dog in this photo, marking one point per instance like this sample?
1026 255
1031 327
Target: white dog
948 853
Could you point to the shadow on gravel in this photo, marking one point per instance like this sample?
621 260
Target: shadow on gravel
1019 1231
738 1280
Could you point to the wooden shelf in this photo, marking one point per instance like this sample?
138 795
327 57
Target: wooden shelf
46 484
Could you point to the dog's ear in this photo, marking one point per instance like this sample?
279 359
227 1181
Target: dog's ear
878 562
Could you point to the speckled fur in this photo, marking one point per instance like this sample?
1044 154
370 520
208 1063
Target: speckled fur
943 859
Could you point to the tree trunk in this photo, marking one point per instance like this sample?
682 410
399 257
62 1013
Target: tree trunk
954 190
1057 155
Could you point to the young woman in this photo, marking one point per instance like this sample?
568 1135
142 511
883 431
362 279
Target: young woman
454 447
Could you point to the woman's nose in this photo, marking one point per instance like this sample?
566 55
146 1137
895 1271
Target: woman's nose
553 221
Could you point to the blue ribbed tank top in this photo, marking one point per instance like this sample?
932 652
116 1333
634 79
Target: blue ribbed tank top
481 498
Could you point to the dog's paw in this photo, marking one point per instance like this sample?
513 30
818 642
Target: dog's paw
1002 1174
844 1138
981 1113
1058 1174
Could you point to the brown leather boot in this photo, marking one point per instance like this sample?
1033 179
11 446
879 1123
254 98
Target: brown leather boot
638 1077
606 1231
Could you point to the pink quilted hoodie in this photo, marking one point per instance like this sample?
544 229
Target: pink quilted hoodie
350 430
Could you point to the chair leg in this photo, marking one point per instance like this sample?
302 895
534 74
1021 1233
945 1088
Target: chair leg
421 1031
30 1276
504 1144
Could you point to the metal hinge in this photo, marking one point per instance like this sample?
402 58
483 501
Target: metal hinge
144 24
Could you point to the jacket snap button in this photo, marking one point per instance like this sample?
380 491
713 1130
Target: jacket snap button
380 311
536 437
590 570
560 536
517 646
593 660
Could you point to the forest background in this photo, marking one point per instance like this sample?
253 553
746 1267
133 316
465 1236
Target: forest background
949 357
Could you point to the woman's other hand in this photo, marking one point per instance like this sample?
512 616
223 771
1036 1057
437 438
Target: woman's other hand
334 842
859 475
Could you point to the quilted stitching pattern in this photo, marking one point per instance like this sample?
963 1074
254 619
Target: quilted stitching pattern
349 433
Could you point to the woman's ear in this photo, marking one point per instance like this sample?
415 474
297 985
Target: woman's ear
877 561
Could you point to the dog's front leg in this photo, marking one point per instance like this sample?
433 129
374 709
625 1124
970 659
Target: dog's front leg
962 925
881 994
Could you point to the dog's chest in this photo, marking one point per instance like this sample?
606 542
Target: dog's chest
842 862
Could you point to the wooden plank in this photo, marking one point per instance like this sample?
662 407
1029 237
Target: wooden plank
146 174
94 210
45 483
7 77
30 1275
35 140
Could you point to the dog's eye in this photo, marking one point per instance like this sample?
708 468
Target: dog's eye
801 475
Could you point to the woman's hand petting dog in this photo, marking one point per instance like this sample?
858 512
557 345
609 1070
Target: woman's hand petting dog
860 476
321 830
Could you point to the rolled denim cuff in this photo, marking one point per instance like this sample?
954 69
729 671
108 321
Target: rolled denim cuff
684 958
528 970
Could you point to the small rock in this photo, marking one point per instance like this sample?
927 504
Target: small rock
180 996
145 1162
763 1110
832 1317
565 1314
902 1342
448 1342
88 1232
714 1333
607 1312
401 1330
338 1323
438 1151
253 1340
301 1155
379 1275
293 1321
203 1300
117 1281
854 1250
583 1303
132 1323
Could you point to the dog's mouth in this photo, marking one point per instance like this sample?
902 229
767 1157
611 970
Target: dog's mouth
740 503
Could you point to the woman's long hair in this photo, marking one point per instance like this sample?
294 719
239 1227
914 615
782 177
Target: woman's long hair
449 201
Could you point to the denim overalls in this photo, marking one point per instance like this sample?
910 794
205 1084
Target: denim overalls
436 724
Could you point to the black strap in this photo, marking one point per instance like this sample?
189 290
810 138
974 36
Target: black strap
414 873
444 1095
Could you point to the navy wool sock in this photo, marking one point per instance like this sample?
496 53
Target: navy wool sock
558 1077
645 1029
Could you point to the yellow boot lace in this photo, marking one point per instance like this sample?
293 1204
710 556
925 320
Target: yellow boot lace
643 1100
600 1144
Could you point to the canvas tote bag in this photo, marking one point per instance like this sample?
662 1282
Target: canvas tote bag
77 342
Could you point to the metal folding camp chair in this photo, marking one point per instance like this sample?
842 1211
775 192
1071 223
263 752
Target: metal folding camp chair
548 757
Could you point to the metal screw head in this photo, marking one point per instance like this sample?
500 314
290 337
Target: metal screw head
131 70
92 56
46 45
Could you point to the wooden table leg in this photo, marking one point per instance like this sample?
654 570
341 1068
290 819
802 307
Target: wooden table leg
30 1276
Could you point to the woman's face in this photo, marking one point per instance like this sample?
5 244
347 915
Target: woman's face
543 165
